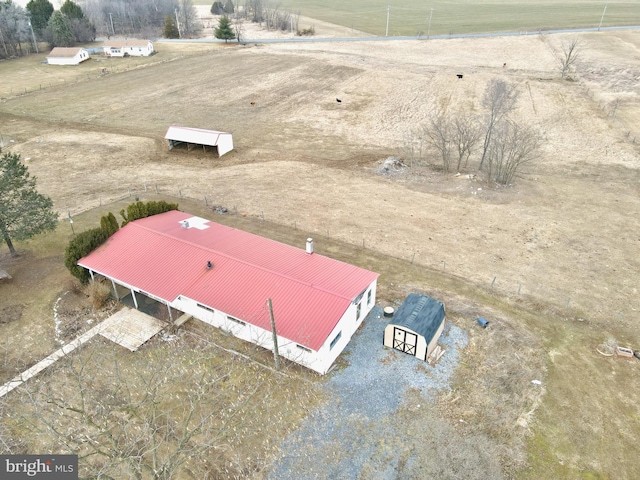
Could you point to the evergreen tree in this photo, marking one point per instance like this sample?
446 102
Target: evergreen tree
80 246
24 212
40 12
61 33
72 10
217 8
170 28
224 30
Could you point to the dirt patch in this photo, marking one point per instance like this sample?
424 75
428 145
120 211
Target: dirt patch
11 313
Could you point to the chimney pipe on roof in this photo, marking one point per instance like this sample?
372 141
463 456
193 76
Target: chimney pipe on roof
309 245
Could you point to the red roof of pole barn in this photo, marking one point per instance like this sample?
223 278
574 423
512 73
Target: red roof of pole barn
159 256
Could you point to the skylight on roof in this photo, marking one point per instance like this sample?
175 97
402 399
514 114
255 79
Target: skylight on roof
195 222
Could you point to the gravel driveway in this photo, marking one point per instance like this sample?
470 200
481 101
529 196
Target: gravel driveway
364 432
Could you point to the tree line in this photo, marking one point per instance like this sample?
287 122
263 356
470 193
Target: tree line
498 143
21 28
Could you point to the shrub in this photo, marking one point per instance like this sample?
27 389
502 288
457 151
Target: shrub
80 246
139 210
99 294
306 32
109 224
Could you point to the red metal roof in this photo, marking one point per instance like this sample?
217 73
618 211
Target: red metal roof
157 255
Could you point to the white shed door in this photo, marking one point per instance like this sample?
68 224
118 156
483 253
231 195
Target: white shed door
404 341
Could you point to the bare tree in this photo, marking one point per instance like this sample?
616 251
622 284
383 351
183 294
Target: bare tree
255 10
14 29
129 17
499 99
238 29
438 134
511 147
168 412
570 54
466 136
189 23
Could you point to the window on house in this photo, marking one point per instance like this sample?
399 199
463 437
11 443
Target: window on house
308 350
358 309
233 319
369 297
335 340
206 308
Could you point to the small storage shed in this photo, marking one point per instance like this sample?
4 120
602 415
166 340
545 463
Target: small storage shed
67 56
222 141
416 327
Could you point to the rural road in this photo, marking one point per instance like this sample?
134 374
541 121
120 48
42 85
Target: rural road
413 37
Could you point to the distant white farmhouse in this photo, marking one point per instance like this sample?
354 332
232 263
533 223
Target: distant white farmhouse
67 56
132 47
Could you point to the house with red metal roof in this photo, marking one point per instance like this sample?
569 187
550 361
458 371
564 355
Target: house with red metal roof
224 276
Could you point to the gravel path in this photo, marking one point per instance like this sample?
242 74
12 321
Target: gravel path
359 434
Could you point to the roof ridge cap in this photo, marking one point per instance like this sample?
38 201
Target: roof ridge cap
289 277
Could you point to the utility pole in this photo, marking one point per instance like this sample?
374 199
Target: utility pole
178 22
602 17
113 32
429 28
4 44
33 35
275 335
386 33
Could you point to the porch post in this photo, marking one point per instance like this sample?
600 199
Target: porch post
135 301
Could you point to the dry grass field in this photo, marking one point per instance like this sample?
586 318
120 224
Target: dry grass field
554 258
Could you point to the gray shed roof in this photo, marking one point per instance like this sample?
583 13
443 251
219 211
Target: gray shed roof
420 313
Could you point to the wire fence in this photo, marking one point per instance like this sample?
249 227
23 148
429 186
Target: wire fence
542 297
101 71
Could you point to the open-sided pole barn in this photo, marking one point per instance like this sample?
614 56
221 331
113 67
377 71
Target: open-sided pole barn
416 326
221 141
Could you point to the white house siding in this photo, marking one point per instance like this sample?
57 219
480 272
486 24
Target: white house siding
346 327
133 50
80 57
319 361
139 51
248 332
113 52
